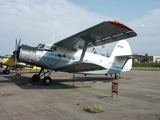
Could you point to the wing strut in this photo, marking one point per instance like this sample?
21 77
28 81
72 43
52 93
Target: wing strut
125 62
84 50
85 46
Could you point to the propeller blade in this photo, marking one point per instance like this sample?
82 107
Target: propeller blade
19 42
16 44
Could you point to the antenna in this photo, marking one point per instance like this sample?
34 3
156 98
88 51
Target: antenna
103 50
53 38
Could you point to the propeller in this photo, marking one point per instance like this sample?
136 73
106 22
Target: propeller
16 51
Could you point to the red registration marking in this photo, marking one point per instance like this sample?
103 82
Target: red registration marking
119 46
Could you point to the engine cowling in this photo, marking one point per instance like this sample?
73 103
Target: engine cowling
27 54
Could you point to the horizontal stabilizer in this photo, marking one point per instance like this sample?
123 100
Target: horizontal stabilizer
131 56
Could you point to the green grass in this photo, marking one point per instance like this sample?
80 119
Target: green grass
72 87
128 78
87 86
146 68
94 109
100 97
78 103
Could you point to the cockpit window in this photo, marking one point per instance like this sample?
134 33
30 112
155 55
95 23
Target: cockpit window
47 47
42 46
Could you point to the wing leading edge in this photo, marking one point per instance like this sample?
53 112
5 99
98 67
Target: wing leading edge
103 33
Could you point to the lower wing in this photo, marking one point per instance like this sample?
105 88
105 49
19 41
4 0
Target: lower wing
80 66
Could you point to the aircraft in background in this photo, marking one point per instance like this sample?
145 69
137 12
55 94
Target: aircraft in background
69 55
9 61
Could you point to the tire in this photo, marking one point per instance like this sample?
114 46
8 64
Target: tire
6 71
116 77
35 78
47 81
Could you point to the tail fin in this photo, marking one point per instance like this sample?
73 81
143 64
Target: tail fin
122 48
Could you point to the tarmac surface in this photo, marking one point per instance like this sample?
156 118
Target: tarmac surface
138 97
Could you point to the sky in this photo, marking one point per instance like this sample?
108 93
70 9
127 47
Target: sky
35 21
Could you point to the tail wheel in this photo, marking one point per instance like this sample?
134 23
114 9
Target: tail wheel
116 77
47 81
35 78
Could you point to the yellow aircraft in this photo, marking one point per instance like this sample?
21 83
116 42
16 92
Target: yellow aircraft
9 61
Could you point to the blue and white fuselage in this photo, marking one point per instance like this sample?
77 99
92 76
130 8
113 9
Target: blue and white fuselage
60 57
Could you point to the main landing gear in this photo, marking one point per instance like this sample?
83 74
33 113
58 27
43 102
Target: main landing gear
7 71
117 76
46 80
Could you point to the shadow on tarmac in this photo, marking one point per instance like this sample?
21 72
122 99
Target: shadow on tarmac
25 82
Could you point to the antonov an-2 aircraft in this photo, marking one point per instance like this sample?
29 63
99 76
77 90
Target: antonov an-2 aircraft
69 54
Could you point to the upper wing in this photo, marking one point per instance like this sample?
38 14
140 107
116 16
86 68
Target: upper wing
103 33
80 66
131 56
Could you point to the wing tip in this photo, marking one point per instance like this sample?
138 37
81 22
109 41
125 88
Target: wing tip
117 23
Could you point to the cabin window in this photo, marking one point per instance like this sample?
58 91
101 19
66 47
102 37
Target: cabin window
59 55
53 48
64 56
47 47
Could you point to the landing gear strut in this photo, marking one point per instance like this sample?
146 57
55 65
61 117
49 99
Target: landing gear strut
46 80
116 77
7 71
36 77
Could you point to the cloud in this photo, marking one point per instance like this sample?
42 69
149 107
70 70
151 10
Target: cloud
147 28
36 21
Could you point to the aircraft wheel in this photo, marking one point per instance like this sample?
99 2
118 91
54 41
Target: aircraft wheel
47 81
35 78
6 71
116 77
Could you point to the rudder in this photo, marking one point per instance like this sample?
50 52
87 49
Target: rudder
121 48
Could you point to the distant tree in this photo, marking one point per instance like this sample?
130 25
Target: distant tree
107 55
94 51
146 59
